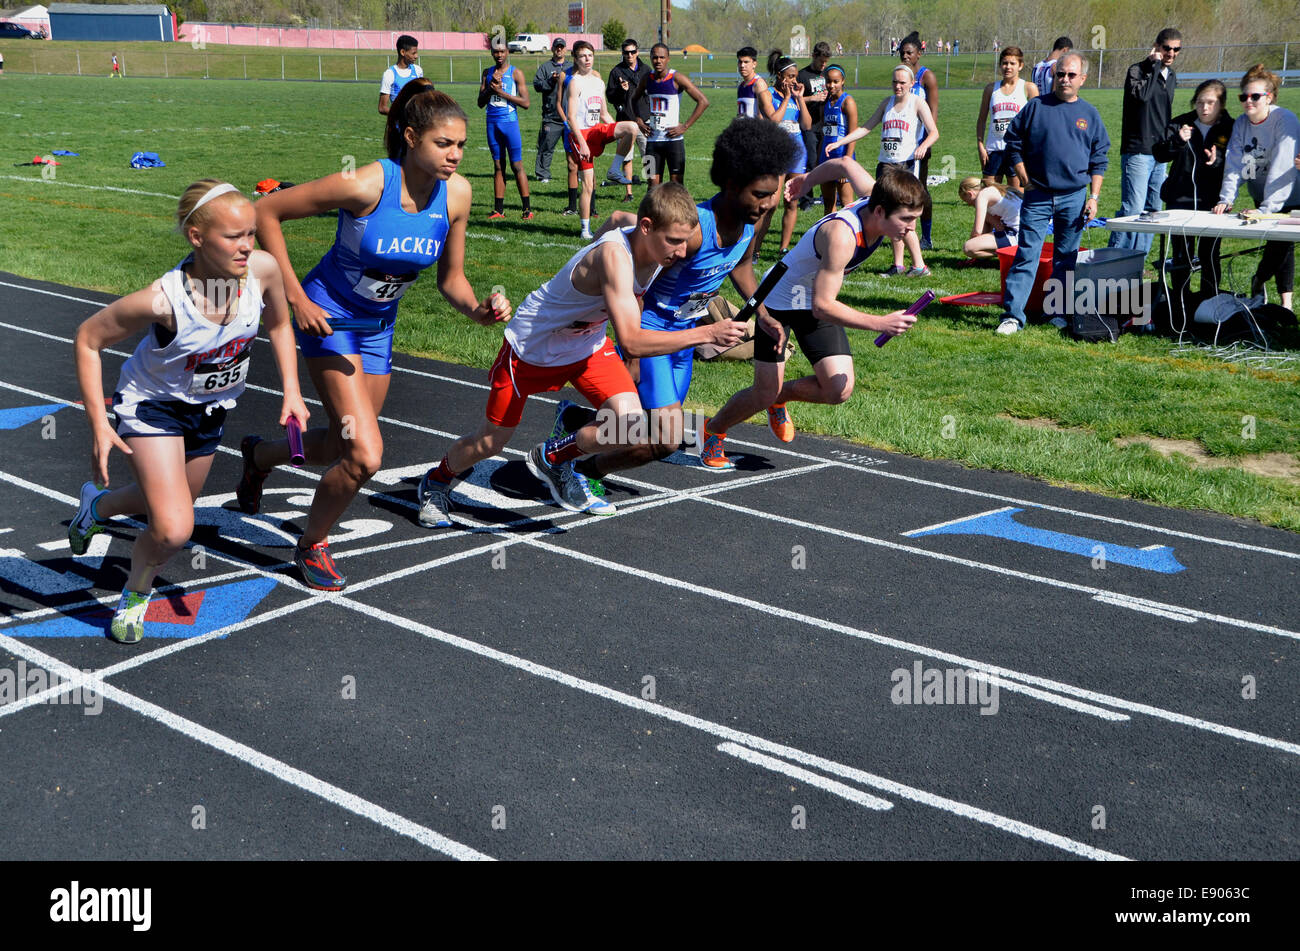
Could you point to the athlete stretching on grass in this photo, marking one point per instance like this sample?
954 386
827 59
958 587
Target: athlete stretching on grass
200 320
806 301
397 217
558 337
749 158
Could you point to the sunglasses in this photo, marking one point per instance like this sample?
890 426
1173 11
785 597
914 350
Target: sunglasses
1170 49
1060 75
630 52
1252 96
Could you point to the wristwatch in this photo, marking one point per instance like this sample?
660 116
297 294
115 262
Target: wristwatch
1092 197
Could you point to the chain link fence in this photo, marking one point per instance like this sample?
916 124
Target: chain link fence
1107 68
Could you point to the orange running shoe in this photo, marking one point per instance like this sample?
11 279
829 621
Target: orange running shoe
712 453
779 420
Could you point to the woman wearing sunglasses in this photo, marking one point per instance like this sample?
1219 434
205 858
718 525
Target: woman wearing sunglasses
1262 150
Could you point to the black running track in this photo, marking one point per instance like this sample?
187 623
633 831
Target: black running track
720 671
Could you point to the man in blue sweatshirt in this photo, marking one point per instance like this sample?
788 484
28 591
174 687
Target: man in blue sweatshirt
1057 145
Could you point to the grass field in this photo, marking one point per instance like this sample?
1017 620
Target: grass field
1036 403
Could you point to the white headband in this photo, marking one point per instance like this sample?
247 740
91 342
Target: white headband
216 191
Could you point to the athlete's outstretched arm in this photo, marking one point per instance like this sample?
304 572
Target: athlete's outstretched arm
452 282
125 317
859 179
275 318
613 272
866 127
835 246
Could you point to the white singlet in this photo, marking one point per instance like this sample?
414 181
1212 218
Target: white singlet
898 132
1002 109
795 290
205 362
558 324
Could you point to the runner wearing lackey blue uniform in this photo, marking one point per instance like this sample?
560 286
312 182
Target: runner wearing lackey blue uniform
397 217
501 90
748 160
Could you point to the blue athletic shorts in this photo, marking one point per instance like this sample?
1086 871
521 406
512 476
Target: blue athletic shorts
665 378
199 424
374 343
503 138
800 156
998 165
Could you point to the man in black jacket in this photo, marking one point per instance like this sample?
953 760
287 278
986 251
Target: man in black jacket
548 80
1148 106
623 80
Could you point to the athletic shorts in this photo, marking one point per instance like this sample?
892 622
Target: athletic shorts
374 344
665 378
998 164
599 377
672 154
1006 239
800 160
199 424
817 338
911 165
598 136
503 139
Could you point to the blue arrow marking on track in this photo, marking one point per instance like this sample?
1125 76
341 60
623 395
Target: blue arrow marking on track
1002 524
16 418
189 615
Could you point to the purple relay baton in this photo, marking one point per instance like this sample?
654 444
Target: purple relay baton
294 432
921 303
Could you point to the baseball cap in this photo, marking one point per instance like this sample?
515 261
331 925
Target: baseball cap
559 42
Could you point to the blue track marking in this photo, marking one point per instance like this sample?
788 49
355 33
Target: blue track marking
192 614
22 415
1002 524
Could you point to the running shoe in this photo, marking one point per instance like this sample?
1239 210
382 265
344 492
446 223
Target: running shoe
779 421
894 271
128 619
248 494
569 488
497 216
711 453
926 245
627 198
435 502
586 236
1008 326
317 568
84 525
542 181
528 215
921 271
568 212
616 176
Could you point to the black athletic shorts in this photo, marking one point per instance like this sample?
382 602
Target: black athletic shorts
673 154
817 338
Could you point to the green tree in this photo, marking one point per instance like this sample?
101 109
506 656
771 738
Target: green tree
614 33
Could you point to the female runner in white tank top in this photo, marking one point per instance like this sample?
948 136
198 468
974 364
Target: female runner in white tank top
1001 102
200 320
900 116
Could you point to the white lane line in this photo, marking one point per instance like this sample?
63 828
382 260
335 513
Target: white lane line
42 182
955 521
1100 713
804 776
996 569
956 660
964 810
1148 607
298 778
872 470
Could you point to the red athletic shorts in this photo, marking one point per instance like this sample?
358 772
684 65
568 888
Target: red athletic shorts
598 136
598 377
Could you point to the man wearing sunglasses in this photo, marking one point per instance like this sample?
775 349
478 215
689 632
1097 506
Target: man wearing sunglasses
1058 146
1148 106
623 81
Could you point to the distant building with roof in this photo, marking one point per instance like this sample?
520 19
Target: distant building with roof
111 21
